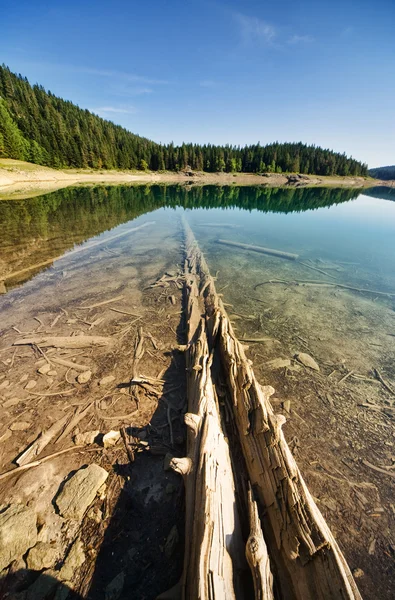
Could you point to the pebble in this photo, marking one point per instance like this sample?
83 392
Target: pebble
20 426
44 369
107 380
111 438
84 377
115 587
307 361
358 573
11 402
5 384
52 373
30 384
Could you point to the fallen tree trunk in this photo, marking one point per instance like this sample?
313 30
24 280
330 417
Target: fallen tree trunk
308 562
214 549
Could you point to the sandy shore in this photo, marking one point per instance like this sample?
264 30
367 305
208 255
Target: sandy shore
20 179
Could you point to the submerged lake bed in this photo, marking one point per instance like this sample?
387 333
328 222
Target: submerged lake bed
108 261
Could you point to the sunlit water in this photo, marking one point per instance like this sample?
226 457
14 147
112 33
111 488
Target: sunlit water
67 245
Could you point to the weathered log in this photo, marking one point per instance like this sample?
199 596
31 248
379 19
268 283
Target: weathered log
309 563
261 249
214 555
75 341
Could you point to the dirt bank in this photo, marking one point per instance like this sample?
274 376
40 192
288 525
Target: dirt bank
20 179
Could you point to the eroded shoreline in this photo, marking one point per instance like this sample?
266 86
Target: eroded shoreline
20 180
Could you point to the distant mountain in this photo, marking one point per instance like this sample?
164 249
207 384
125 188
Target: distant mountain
37 126
384 173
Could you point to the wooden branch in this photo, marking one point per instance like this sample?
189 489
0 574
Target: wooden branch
76 341
261 249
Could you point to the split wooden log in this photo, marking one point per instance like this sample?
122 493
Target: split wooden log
309 563
261 249
214 556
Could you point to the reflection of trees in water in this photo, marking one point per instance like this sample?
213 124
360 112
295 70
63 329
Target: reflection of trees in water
381 192
80 213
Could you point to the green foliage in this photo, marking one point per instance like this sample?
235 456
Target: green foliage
385 173
36 125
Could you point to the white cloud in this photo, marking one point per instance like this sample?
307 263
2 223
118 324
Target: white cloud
253 28
106 110
300 39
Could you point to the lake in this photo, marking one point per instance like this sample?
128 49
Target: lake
335 302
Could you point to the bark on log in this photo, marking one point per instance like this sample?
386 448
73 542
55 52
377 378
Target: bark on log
309 563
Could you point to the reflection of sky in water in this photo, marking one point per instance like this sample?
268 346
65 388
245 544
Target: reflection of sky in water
361 231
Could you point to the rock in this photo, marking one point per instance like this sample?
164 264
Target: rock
20 426
80 491
115 587
84 377
41 556
31 384
358 573
44 369
278 363
44 586
287 405
5 384
11 402
63 591
111 438
24 378
86 438
52 373
171 542
307 361
74 560
18 532
106 380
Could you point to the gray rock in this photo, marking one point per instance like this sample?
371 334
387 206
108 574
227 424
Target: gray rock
42 556
74 560
43 587
80 491
18 532
115 587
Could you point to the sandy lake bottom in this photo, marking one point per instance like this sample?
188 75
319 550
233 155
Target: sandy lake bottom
107 262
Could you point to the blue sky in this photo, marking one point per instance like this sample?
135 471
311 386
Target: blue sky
223 72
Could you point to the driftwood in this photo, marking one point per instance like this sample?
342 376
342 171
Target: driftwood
325 284
294 538
76 341
42 441
261 249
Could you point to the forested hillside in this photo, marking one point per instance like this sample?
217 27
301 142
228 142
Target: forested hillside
39 127
385 173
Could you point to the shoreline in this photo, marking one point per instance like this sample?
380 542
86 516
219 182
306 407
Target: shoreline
19 180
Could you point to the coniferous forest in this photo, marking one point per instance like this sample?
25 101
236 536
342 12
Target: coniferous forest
37 126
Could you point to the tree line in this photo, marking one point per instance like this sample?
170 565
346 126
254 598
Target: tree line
37 126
